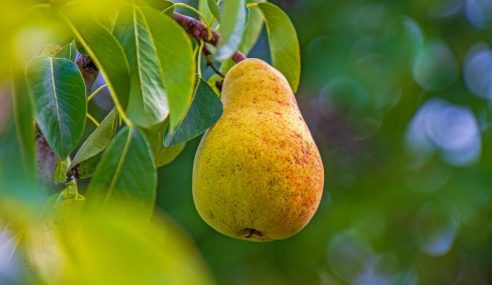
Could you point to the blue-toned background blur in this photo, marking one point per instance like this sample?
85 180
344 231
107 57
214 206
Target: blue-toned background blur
397 95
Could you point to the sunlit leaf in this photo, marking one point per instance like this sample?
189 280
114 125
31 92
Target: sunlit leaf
23 114
234 16
253 28
125 174
107 53
18 175
214 9
251 34
148 104
51 50
284 45
89 248
159 5
60 102
206 13
17 148
175 59
162 155
98 140
61 170
204 112
68 52
108 19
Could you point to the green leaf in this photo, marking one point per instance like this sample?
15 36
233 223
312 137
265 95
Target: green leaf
60 102
125 174
162 155
107 53
23 111
214 9
148 104
68 52
70 193
204 112
61 170
98 140
168 154
17 148
284 45
203 8
253 28
107 18
115 249
87 168
234 16
250 37
175 59
159 5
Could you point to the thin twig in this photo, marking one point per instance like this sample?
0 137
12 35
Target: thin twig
92 119
207 54
199 31
97 91
88 69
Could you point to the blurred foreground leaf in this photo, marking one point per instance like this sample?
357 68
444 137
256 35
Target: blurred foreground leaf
68 51
17 148
74 246
23 116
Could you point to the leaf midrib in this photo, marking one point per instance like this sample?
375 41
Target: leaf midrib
56 101
137 51
119 166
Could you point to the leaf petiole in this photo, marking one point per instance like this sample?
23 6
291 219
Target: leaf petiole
199 59
92 119
97 91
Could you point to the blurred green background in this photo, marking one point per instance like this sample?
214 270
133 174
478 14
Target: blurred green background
397 95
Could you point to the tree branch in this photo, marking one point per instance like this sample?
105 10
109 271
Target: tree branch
88 69
46 161
198 30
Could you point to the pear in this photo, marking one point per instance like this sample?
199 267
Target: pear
257 173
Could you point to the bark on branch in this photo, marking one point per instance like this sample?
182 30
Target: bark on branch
198 30
88 69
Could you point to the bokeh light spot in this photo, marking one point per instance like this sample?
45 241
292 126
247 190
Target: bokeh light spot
435 67
436 229
478 70
451 129
479 13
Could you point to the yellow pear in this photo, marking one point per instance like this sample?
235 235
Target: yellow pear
257 174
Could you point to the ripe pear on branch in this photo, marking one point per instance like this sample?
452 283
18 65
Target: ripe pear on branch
258 174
